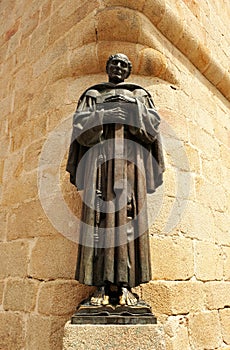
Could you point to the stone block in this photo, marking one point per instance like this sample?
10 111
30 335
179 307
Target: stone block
176 333
14 259
209 261
48 57
217 295
20 189
84 59
69 15
204 120
128 3
29 23
205 142
133 337
173 298
44 332
29 131
151 62
154 10
169 19
20 295
226 251
222 224
126 25
28 220
193 159
217 198
31 155
75 37
3 220
197 222
225 324
5 105
225 156
45 11
12 331
172 258
39 42
1 291
1 171
205 330
53 257
61 297
223 85
13 44
209 168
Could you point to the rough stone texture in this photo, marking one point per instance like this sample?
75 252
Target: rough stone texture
20 295
173 297
205 330
12 331
209 261
44 332
14 259
217 295
44 262
50 52
133 337
176 333
225 324
177 251
61 297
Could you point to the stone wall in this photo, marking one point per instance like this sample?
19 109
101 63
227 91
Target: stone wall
50 51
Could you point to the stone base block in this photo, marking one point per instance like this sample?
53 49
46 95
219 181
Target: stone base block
120 337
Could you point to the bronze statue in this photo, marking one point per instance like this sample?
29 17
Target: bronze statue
116 158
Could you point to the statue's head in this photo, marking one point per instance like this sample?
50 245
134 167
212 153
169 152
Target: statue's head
118 68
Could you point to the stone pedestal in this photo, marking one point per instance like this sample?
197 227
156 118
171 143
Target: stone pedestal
120 337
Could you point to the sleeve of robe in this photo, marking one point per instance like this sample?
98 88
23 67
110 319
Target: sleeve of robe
146 130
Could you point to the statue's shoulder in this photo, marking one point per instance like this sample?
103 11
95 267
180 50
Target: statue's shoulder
96 90
137 90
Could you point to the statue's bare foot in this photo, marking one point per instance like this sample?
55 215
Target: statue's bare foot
99 297
127 298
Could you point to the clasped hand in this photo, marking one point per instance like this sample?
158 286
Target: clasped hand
115 115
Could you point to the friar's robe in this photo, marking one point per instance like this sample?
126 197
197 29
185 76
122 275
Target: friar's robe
121 252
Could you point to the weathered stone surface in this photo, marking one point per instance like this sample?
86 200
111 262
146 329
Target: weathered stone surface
61 297
44 332
173 297
1 291
14 259
177 251
209 262
28 220
225 324
226 251
176 333
20 189
133 337
197 222
205 330
217 295
3 218
47 254
11 331
20 294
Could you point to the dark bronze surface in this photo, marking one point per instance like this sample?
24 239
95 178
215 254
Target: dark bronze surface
115 111
110 314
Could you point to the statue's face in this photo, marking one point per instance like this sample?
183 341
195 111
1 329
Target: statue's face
118 70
